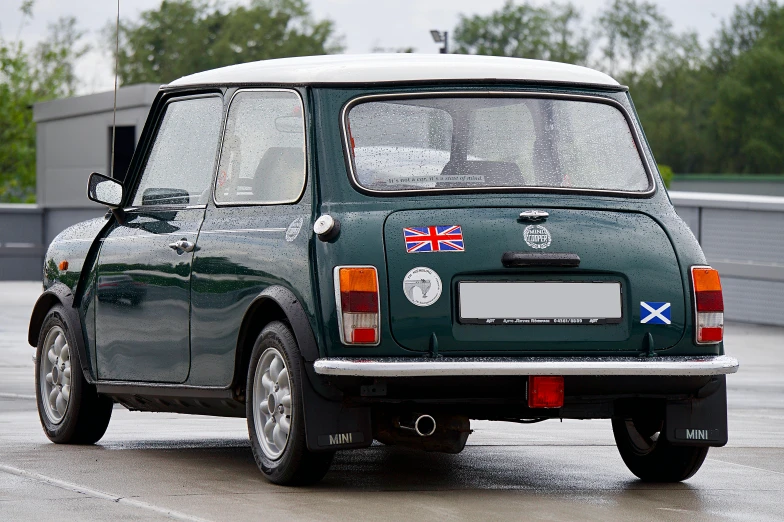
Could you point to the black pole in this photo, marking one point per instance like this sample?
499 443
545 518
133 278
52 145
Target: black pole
445 48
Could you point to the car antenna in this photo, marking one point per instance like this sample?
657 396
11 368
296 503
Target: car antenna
116 67
119 213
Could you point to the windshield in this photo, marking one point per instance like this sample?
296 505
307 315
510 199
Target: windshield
465 142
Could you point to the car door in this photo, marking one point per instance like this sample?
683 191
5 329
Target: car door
257 233
142 307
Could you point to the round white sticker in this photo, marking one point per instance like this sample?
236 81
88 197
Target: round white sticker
293 231
537 236
422 286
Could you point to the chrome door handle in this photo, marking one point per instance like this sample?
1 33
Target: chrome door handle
183 245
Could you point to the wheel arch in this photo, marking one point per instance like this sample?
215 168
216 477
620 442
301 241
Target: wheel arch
275 303
60 294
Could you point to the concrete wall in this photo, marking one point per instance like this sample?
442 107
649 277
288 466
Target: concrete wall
743 238
25 233
21 242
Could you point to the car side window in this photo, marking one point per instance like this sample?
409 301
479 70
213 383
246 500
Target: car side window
182 160
263 157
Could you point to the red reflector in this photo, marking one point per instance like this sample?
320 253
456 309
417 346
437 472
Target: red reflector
545 391
710 301
359 302
711 335
363 335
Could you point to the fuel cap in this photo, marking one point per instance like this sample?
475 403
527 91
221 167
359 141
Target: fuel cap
326 227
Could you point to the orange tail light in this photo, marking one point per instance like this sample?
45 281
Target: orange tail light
708 304
357 299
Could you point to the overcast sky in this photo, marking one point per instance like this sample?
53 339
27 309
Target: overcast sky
364 24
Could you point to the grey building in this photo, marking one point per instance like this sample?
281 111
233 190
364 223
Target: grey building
73 139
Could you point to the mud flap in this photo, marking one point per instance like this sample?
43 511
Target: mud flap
329 424
701 421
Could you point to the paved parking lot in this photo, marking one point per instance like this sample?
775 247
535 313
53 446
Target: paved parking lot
153 465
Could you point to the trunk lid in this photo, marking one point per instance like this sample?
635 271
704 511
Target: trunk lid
619 252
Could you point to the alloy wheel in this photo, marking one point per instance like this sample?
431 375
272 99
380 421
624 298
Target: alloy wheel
55 374
272 403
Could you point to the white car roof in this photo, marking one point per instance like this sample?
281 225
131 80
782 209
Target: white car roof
385 68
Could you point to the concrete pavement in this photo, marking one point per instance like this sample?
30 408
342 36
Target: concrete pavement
153 466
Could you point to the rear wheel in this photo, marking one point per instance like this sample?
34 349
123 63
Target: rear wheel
650 456
276 422
70 409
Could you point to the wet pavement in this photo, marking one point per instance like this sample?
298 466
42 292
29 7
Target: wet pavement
153 466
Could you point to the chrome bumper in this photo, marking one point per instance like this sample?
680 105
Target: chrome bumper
453 366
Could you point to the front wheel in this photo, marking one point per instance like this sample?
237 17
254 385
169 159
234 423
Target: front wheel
650 456
71 410
276 421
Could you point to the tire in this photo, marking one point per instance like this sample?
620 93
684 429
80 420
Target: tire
651 457
76 413
276 404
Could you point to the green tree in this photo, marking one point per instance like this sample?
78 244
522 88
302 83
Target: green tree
744 28
749 107
186 36
718 109
631 31
28 76
550 32
673 96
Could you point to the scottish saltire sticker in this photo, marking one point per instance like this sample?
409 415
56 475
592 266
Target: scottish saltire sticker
655 313
440 238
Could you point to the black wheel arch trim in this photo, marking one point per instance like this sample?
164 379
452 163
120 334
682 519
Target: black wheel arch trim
325 415
296 316
60 294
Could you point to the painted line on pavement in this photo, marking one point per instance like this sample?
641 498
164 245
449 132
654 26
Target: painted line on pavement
94 493
16 396
745 466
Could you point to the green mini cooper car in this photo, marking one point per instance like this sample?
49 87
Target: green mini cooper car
348 249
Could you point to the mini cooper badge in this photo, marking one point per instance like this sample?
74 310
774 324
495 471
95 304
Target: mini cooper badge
536 236
422 286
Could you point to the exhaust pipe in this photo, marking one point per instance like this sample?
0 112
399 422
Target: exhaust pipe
423 425
439 431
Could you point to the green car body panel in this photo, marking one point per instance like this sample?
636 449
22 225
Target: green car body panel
639 240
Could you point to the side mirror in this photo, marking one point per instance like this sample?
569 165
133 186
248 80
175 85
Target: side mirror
105 190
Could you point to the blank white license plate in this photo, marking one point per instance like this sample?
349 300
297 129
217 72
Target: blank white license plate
535 302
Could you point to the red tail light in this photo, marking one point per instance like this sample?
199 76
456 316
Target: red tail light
356 293
545 391
708 304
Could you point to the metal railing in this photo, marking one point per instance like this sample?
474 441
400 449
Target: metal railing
743 238
26 231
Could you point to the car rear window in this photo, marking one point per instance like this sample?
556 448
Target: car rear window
504 142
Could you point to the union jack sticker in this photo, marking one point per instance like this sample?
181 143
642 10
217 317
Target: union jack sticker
439 238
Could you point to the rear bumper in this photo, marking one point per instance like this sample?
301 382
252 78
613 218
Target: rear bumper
492 366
